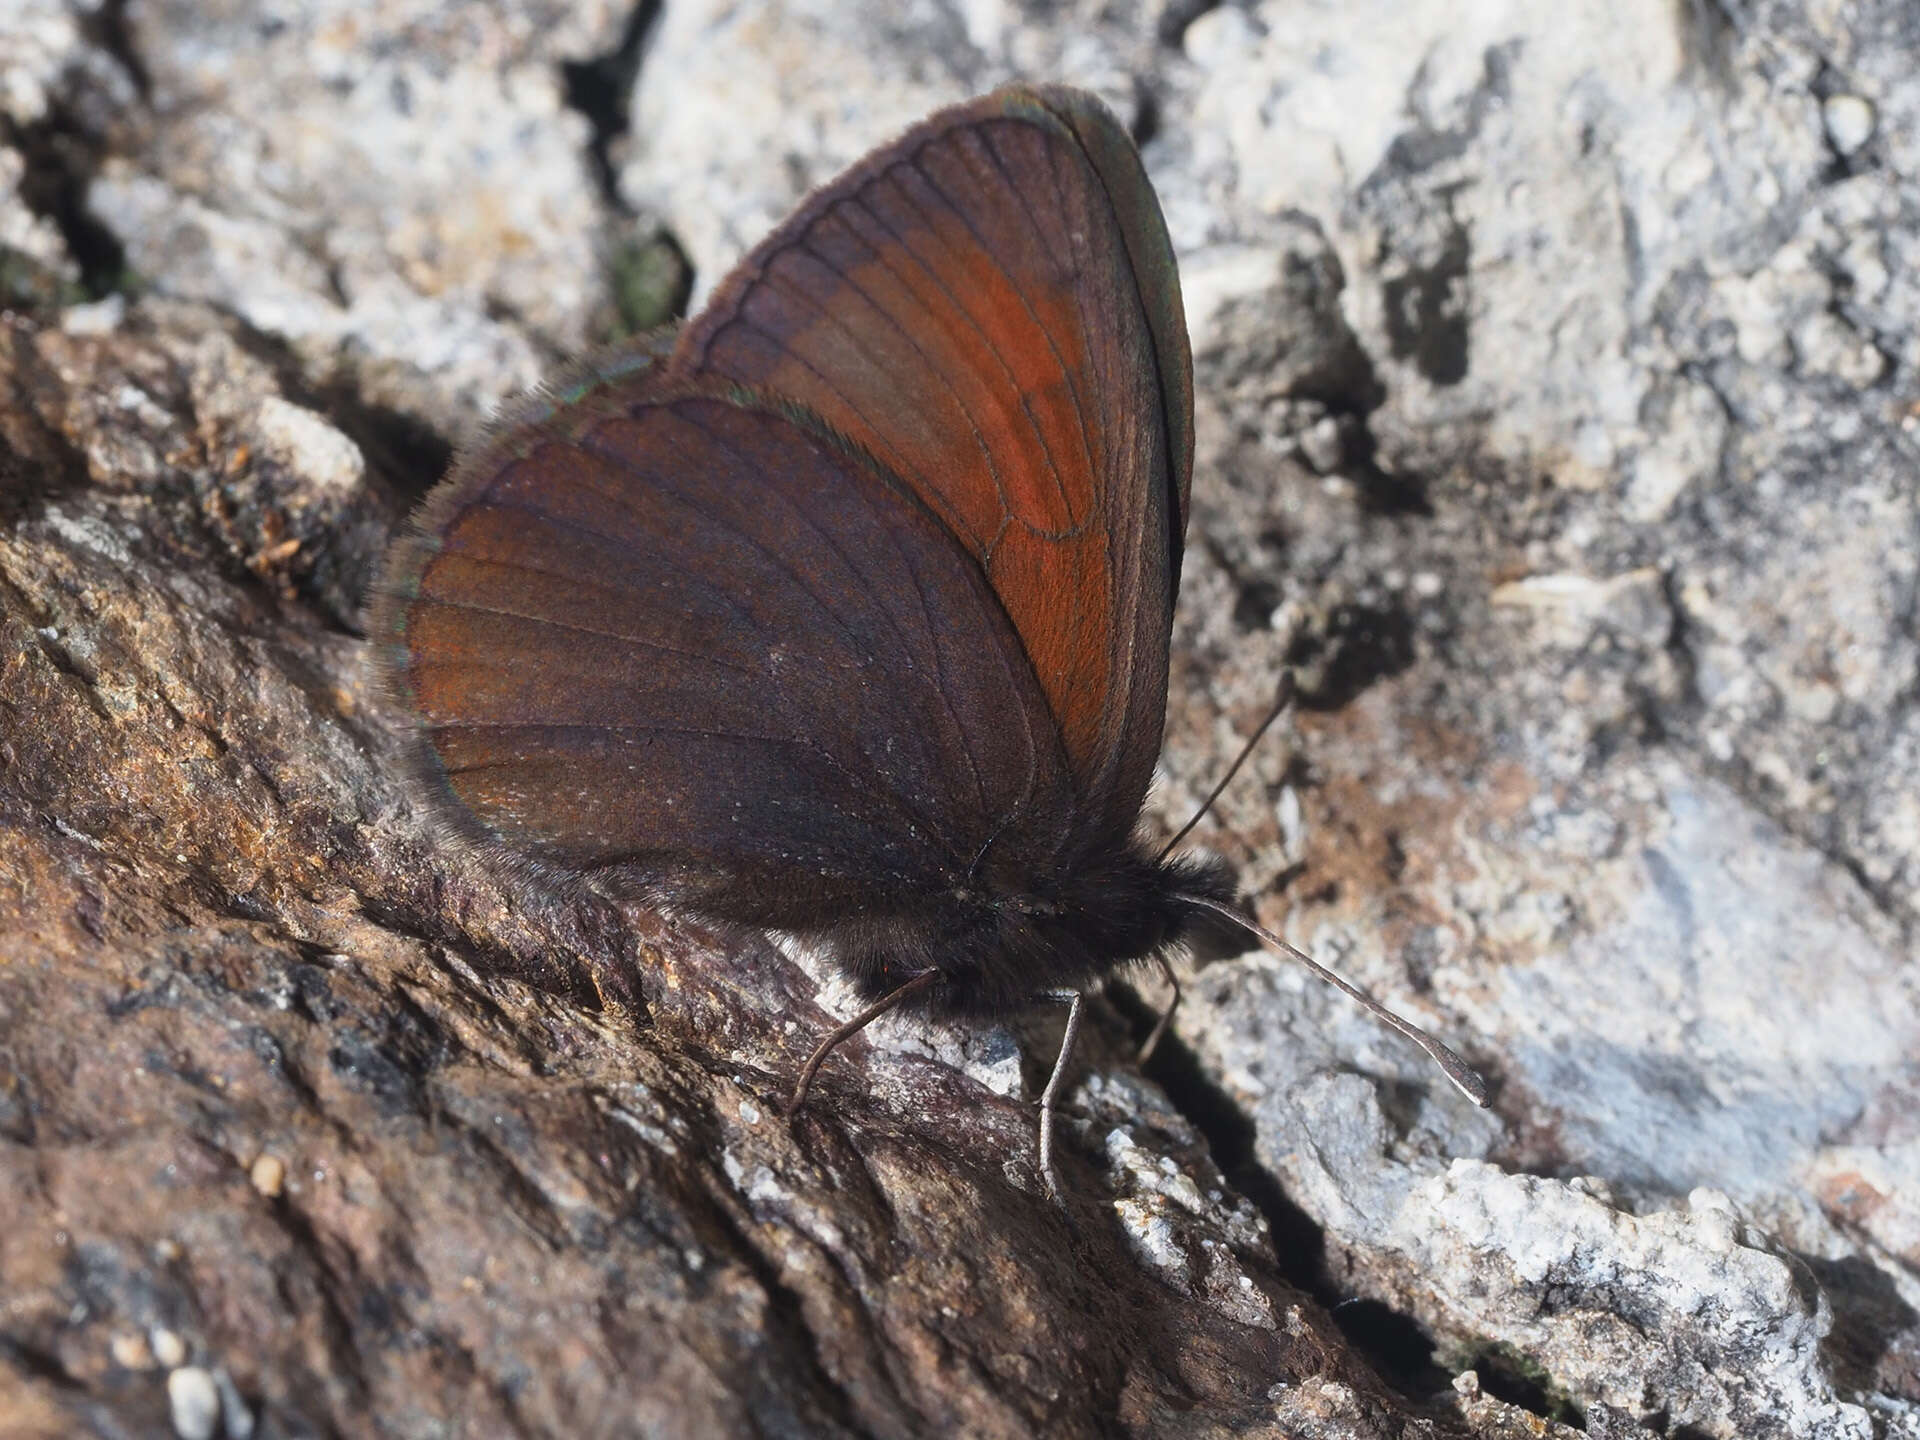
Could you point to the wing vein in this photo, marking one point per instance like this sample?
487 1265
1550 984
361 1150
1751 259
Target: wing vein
1066 371
966 315
636 641
800 243
853 642
634 727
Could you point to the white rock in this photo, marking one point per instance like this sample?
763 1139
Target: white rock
1850 120
193 1403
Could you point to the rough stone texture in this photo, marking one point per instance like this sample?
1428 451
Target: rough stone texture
1558 383
398 193
1632 529
566 1205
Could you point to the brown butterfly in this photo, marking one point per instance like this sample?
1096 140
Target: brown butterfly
846 610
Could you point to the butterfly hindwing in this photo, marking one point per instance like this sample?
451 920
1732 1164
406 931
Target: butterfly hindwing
691 641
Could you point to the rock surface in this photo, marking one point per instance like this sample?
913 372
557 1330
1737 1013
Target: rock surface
1559 417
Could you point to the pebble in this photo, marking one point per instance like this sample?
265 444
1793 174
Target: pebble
268 1174
1323 446
194 1402
1850 121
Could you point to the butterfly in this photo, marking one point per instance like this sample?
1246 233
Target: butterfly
845 610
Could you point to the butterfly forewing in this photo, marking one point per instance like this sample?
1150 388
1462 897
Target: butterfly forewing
989 307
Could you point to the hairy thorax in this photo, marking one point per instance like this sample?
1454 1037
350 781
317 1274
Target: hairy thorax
999 952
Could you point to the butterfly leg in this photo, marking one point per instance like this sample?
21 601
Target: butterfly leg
1166 1016
1075 1004
851 1028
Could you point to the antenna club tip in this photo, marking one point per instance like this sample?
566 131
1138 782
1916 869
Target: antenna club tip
1465 1078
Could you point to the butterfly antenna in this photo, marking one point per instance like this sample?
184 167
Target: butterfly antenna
1456 1069
1281 700
851 1028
